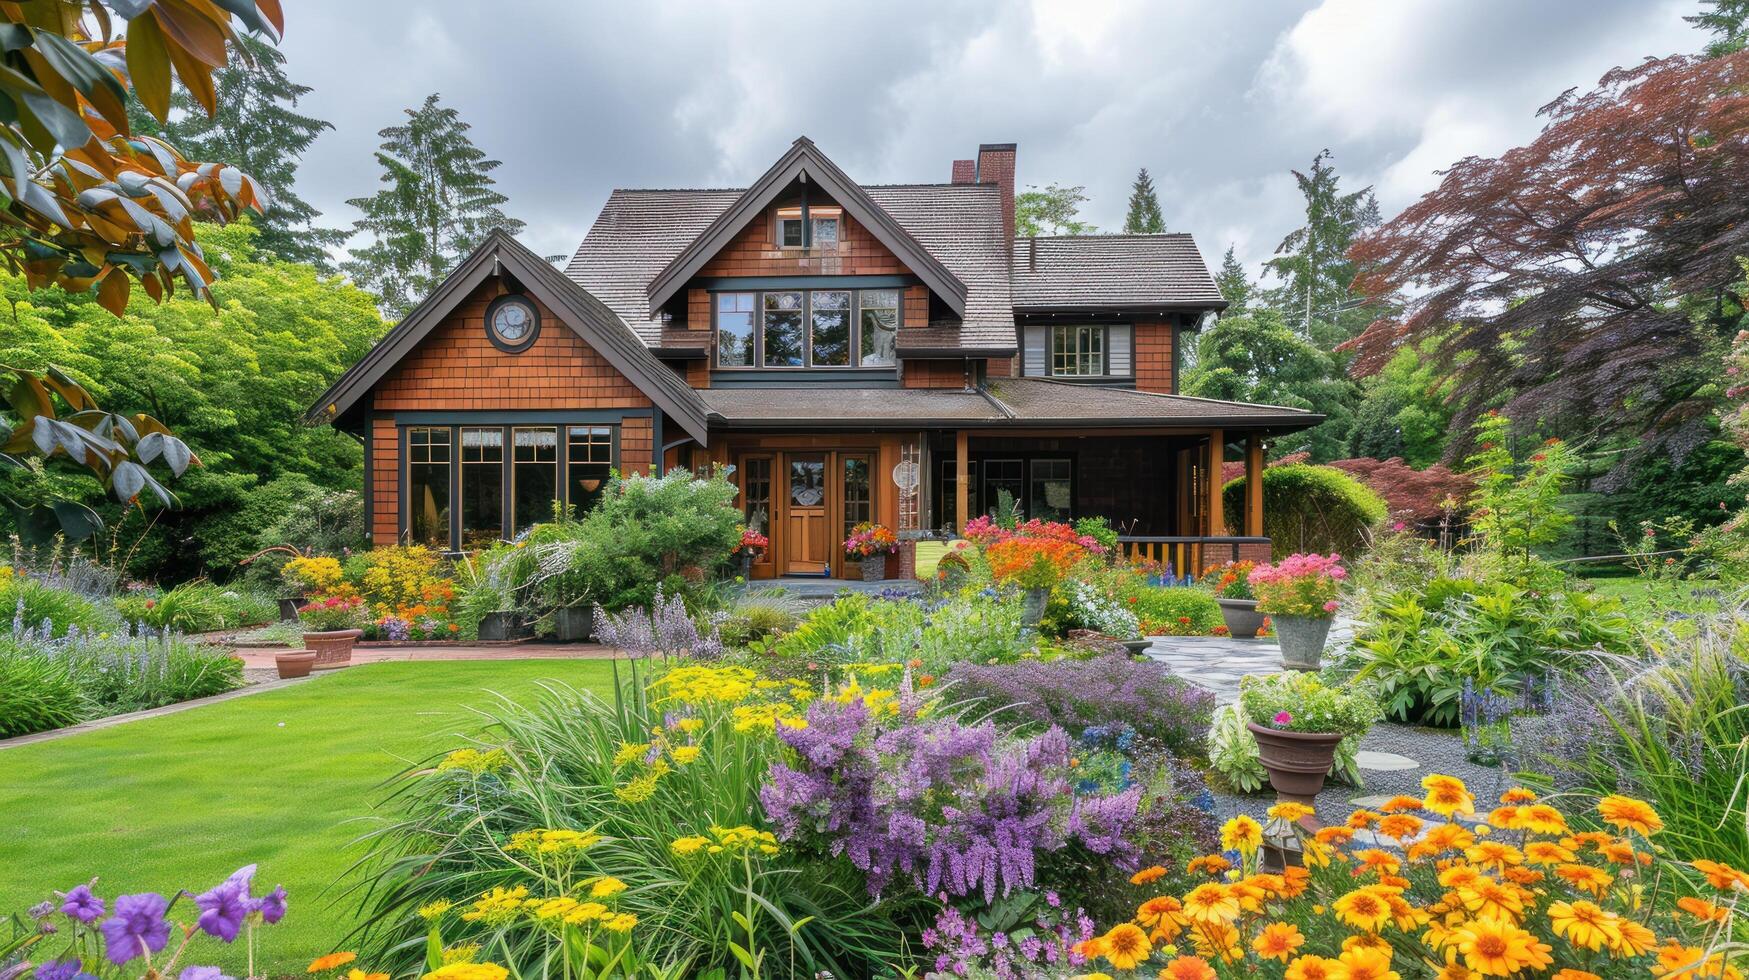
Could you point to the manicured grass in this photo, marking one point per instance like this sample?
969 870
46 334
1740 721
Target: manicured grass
280 779
1649 595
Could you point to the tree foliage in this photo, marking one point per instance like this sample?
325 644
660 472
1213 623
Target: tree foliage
1310 509
1405 410
1585 273
438 203
1052 211
1316 293
1728 23
257 127
1144 217
1256 357
1235 286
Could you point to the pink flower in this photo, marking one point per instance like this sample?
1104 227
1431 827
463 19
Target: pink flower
1283 718
1330 606
1398 526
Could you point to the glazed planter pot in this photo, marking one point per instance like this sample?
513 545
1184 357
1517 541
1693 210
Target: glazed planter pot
1032 607
500 626
874 568
297 663
1137 647
288 608
573 624
333 648
1302 640
1297 762
1242 618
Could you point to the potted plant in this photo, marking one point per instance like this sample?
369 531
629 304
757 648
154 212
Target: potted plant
1298 594
304 576
573 624
871 543
753 544
1035 565
1299 721
294 663
1231 586
331 627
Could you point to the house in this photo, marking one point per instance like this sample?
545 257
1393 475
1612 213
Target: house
856 352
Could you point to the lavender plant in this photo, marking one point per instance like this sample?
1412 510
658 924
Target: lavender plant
1079 694
666 629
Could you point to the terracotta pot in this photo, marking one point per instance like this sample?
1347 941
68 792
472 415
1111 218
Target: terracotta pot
1241 616
1302 640
1297 762
874 568
332 648
573 624
297 663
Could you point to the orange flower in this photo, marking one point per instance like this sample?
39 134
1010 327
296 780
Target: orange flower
1572 974
1494 854
1636 939
1126 946
1627 813
1362 819
1447 795
1165 915
1384 862
1213 864
1702 909
1722 876
1211 903
1518 794
1401 804
1190 968
1400 826
1334 836
1315 968
1547 852
1294 880
1585 878
1278 940
324 963
1364 908
1498 948
1540 818
1367 962
1148 875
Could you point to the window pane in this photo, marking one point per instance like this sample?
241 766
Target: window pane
758 482
831 316
1078 351
482 503
807 482
790 232
783 329
534 475
1051 497
858 493
880 326
428 461
735 329
825 232
588 465
1003 475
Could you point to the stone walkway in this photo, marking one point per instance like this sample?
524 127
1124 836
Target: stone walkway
1217 662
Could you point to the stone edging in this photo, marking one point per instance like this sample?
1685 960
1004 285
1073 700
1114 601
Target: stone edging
97 724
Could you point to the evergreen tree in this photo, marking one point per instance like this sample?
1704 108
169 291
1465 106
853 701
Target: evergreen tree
257 128
1316 295
1234 284
1728 22
1144 217
437 205
1258 358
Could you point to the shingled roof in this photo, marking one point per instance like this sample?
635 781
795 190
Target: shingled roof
641 232
1077 272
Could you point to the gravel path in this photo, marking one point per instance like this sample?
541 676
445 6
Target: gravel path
1434 750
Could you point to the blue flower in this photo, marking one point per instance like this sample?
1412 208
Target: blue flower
80 904
57 970
137 927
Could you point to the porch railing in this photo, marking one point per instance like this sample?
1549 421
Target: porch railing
1181 556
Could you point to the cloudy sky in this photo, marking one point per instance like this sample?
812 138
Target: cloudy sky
1217 99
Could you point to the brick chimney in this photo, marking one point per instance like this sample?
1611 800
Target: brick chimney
996 166
965 171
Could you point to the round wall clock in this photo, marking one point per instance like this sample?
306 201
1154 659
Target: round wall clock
512 323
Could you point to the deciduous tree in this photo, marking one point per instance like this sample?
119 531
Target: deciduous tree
1257 357
1052 211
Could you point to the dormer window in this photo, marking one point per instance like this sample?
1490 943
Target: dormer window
808 227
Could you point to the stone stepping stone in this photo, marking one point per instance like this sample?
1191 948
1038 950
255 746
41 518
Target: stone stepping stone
1384 761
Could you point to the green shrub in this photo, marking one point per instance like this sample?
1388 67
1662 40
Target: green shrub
1236 761
48 682
198 607
1315 509
33 603
758 617
38 694
1175 610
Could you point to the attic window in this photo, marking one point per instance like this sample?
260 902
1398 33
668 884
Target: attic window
808 228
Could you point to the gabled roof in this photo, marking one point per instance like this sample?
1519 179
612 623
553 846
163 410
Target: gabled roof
1092 272
805 161
599 327
640 232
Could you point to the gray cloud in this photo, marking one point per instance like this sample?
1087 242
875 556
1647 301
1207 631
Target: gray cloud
1218 100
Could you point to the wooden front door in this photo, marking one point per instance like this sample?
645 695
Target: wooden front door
807 548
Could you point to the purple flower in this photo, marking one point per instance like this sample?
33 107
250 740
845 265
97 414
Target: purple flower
57 970
80 904
272 905
223 909
202 973
137 927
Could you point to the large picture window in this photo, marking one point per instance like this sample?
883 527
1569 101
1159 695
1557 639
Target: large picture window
1078 351
482 502
534 475
428 462
821 328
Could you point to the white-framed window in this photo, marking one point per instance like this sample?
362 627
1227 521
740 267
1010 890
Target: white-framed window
809 228
1077 351
791 233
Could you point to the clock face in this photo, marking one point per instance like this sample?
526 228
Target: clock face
512 321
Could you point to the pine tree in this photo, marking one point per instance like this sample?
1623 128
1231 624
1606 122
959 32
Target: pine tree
1316 295
257 128
439 204
1234 284
1144 217
1728 22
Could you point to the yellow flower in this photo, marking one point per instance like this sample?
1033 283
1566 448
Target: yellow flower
498 906
685 755
1290 811
1364 908
468 971
1447 795
357 974
1548 852
1497 948
1584 877
1126 945
1188 968
433 910
554 908
1540 818
460 954
549 841
1364 961
1242 834
1315 968
1585 925
1211 903
606 888
587 912
474 761
629 753
1627 813
622 922
686 846
639 789
322 964
689 725
1277 941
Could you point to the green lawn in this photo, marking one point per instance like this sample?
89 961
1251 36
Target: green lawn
279 779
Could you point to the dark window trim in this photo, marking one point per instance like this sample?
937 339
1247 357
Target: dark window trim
487 417
759 365
976 461
533 333
1105 348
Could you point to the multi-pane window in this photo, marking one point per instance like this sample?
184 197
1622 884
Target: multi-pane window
790 228
1078 350
428 462
829 317
880 327
808 328
588 464
858 493
482 500
783 329
1004 479
757 481
825 232
818 229
1050 490
534 475
735 329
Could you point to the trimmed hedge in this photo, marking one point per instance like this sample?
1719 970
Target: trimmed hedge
1309 508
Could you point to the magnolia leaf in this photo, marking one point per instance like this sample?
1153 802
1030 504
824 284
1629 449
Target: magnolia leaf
77 521
149 62
61 122
112 291
128 480
71 392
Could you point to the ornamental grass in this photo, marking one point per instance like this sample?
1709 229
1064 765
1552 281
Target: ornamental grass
1432 886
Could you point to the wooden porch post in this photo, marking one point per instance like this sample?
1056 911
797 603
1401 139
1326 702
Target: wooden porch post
1253 485
1216 513
962 476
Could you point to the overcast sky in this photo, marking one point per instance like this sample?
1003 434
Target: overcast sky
1217 98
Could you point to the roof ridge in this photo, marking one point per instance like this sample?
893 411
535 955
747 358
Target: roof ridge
1102 236
678 190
